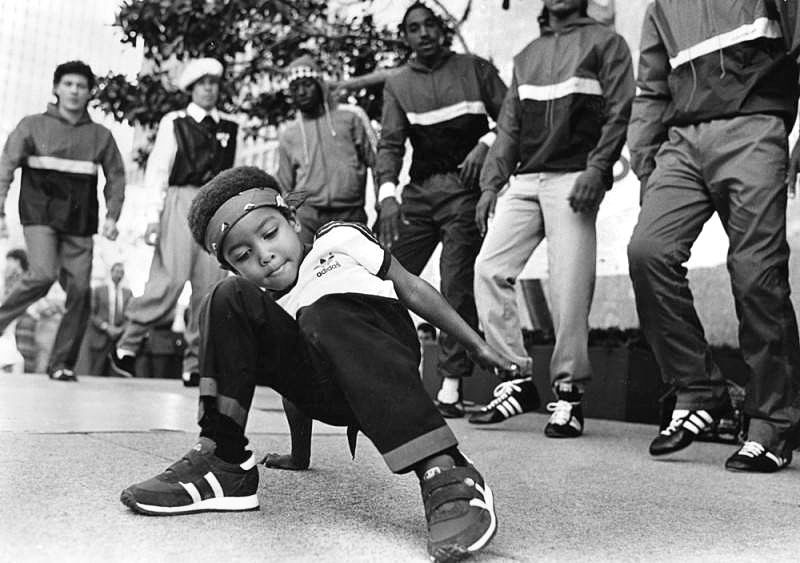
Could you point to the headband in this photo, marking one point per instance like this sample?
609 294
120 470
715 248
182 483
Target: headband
232 211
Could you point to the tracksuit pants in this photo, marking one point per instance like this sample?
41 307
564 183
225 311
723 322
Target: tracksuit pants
348 360
439 209
176 260
534 207
735 167
67 259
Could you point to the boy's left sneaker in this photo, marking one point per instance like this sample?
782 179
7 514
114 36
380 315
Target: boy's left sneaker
198 482
752 457
459 507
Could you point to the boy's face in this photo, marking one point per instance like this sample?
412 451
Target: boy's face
72 91
263 247
306 94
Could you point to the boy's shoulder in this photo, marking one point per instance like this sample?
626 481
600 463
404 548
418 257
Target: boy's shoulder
336 230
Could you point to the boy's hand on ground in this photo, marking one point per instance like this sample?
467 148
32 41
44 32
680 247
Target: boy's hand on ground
483 209
588 191
284 461
389 218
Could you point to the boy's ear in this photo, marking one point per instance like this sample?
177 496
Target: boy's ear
295 223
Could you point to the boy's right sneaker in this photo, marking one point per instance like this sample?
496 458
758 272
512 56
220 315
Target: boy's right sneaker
198 482
124 366
459 507
684 428
511 398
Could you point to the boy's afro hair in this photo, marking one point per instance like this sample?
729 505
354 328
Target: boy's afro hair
220 189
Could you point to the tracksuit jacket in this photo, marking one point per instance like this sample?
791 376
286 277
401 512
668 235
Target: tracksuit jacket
711 59
568 105
443 110
60 161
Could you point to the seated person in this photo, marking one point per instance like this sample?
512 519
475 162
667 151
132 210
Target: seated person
327 327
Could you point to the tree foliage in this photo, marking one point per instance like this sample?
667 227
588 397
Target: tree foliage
254 39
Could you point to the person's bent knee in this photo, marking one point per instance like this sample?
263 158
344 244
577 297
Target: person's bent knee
645 252
234 289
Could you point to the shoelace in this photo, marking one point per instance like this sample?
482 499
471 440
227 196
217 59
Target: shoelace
674 424
505 390
562 412
751 449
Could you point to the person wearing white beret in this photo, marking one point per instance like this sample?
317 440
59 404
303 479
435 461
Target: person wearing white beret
192 146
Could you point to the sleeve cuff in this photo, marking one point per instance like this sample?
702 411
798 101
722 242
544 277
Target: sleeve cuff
387 189
488 138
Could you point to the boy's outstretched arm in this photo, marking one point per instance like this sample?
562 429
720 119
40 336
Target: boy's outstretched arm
300 430
421 298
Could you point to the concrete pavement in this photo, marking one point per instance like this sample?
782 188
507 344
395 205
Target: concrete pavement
69 449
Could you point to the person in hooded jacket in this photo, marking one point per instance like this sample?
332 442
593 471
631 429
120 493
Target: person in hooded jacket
717 96
560 131
441 102
324 153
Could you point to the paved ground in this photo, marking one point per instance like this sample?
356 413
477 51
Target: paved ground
69 449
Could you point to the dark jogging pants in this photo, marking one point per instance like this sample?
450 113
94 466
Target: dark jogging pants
736 168
349 360
440 209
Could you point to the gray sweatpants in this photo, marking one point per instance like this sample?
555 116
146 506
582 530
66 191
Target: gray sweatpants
736 168
176 260
535 206
55 256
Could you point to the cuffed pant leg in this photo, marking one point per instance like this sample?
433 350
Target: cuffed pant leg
747 165
375 364
513 235
75 254
42 244
675 207
571 258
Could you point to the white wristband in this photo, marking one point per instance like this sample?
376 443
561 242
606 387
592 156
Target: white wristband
387 189
488 138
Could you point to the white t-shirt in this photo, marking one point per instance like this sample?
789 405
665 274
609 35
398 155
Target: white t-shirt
345 258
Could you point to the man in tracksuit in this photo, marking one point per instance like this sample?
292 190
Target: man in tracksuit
440 100
717 96
60 152
191 147
560 132
324 153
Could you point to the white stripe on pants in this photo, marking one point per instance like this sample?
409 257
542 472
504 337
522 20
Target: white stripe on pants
532 207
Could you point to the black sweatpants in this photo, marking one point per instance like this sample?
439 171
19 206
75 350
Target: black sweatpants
348 360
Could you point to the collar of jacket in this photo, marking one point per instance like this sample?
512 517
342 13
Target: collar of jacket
580 22
420 67
52 111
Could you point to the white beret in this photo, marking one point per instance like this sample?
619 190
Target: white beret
197 69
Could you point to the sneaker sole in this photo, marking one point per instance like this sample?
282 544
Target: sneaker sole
222 504
448 553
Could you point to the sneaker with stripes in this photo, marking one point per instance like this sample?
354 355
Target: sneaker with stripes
511 398
753 457
198 482
684 428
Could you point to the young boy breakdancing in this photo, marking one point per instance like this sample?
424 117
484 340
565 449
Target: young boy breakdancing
332 335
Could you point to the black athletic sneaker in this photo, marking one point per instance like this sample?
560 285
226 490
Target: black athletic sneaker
567 418
511 398
63 374
450 410
459 507
755 458
122 367
682 431
198 482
